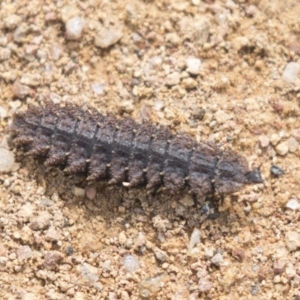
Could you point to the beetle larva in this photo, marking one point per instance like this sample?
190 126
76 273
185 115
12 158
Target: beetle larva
128 153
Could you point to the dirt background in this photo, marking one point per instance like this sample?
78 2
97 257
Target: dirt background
220 70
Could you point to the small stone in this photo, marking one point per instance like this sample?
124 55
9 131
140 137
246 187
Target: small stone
264 141
29 296
56 51
78 192
4 54
12 21
130 263
52 258
122 238
209 253
193 65
7 160
90 276
275 139
20 90
291 72
31 79
74 27
52 235
173 38
194 239
149 287
172 79
293 204
279 266
282 148
24 253
276 171
204 285
90 192
40 222
217 259
293 144
68 12
98 88
196 2
160 254
20 33
290 270
108 36
292 240
189 83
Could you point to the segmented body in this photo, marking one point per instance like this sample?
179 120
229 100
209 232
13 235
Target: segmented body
128 153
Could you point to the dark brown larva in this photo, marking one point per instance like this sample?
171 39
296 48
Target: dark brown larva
104 147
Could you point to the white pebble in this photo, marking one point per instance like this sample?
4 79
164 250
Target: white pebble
282 148
158 105
217 259
7 160
98 88
292 240
193 65
195 238
293 144
172 79
293 204
74 28
108 36
130 263
291 72
275 139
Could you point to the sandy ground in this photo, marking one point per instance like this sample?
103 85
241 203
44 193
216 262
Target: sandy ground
220 70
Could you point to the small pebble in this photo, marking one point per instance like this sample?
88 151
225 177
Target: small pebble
193 65
7 160
20 90
122 238
282 148
291 72
264 141
293 144
204 285
275 139
90 192
41 222
195 239
24 252
149 287
74 28
160 254
172 79
292 240
52 258
20 33
293 204
189 83
4 54
130 263
98 88
107 37
78 192
217 259
276 171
